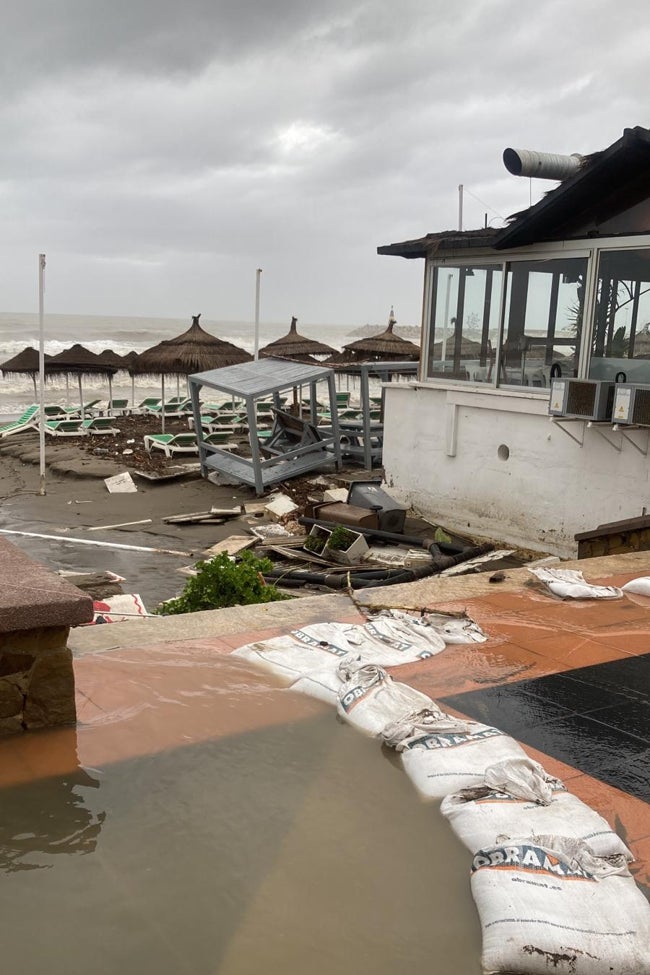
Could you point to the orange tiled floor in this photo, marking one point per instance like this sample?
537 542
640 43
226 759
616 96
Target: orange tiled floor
531 637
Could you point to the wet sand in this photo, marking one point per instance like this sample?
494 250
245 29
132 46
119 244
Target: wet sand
72 505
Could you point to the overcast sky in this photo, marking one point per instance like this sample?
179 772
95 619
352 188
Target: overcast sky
159 152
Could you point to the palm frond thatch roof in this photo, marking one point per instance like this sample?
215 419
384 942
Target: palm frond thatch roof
78 359
112 359
25 362
293 345
385 345
469 348
194 350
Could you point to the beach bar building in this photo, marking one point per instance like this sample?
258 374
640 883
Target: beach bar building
558 298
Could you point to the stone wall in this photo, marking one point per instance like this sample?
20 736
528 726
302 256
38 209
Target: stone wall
37 609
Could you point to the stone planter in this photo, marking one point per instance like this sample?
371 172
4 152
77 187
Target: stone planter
319 535
352 554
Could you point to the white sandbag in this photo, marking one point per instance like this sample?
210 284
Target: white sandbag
518 798
324 685
406 638
448 755
550 905
421 722
571 584
370 699
437 628
292 658
640 586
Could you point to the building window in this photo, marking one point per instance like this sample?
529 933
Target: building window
543 312
464 323
621 335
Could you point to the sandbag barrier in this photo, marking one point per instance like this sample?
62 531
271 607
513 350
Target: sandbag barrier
549 877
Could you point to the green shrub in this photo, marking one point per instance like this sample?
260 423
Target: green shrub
220 583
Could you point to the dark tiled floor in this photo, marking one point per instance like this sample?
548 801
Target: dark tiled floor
595 718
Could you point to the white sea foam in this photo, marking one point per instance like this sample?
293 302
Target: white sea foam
122 335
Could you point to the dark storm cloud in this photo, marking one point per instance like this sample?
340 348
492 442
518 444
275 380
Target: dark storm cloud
162 36
156 149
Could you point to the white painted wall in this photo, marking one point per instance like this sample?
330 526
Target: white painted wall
441 455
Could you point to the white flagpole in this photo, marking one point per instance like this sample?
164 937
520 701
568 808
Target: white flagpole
41 369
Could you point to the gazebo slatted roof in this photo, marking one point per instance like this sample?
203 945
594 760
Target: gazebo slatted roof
261 378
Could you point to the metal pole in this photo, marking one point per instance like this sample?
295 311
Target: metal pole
460 206
41 370
258 275
443 350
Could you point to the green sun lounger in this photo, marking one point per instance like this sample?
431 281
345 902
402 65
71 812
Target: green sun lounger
28 421
99 424
171 443
65 428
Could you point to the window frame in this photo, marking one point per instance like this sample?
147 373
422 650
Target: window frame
592 250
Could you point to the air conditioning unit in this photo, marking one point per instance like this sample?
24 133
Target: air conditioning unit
584 399
632 404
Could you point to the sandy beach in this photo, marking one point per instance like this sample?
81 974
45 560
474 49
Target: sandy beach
73 505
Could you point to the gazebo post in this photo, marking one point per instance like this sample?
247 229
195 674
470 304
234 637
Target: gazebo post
162 402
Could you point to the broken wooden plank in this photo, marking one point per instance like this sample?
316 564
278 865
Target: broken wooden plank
123 524
228 512
231 545
195 517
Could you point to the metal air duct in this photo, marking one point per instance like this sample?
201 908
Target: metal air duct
543 165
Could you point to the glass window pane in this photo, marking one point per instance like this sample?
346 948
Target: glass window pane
621 335
464 323
542 321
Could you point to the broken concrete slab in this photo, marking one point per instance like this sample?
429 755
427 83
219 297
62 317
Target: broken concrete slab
120 484
280 508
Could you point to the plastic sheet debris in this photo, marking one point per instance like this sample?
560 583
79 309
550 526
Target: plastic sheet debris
571 584
456 630
118 609
519 798
270 531
370 699
442 754
550 904
477 563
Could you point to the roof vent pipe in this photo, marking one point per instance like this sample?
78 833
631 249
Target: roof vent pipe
543 165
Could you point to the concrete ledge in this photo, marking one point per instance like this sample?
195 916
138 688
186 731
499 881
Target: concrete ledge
32 596
426 593
288 615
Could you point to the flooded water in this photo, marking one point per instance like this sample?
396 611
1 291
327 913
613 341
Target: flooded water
201 820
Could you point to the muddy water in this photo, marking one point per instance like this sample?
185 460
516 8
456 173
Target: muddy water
265 837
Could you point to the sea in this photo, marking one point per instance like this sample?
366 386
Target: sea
122 335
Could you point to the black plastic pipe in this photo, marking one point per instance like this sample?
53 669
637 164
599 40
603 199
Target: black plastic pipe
385 536
362 579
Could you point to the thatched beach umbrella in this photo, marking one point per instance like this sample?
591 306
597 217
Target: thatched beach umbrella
386 345
112 359
79 361
195 350
296 346
24 363
129 359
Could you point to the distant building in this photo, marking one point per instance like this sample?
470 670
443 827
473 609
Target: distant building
562 291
